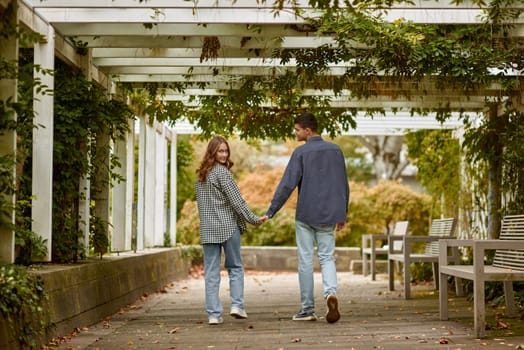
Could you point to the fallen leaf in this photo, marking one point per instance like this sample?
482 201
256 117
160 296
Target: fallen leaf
174 330
502 325
296 340
443 340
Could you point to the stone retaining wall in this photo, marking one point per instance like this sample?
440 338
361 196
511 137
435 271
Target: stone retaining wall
85 293
285 258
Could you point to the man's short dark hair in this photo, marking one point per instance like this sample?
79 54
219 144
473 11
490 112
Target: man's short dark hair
307 120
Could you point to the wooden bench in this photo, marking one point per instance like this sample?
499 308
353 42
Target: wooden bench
369 247
508 266
440 229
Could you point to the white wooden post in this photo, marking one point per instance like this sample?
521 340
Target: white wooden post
149 186
141 185
118 199
42 180
160 180
84 187
173 189
130 185
84 215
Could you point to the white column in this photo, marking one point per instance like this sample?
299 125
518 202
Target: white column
83 208
173 190
84 187
42 181
141 185
118 199
130 185
8 89
160 185
149 187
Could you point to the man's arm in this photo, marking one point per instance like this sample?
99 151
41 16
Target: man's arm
287 185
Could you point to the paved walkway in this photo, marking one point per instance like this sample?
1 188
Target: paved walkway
372 318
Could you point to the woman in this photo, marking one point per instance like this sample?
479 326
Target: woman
223 215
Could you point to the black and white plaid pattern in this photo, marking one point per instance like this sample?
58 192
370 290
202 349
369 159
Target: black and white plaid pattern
221 207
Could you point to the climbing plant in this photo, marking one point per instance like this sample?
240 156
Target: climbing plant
18 116
82 112
393 59
437 156
22 305
404 57
22 295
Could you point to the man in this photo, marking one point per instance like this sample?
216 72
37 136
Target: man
318 169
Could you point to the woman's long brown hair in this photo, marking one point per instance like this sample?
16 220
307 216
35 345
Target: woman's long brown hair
210 157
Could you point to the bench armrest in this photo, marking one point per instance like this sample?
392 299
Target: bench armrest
368 238
490 244
407 240
480 246
391 239
368 241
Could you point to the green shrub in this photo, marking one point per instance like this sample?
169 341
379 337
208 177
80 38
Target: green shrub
279 231
22 300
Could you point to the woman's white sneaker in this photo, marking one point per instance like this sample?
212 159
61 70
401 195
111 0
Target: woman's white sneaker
238 312
215 320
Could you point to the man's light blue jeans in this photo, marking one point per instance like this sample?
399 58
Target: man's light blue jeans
324 236
235 269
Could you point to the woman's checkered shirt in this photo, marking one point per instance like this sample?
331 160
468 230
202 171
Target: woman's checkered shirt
221 207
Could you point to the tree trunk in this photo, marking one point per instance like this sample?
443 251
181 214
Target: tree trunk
386 151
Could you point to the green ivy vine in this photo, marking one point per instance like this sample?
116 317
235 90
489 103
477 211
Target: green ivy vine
397 58
82 112
21 299
18 116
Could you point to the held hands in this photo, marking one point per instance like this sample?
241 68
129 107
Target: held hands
262 219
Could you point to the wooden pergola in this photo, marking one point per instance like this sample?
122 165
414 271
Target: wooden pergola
155 41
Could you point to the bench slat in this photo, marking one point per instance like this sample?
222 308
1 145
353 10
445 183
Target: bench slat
508 266
512 228
439 228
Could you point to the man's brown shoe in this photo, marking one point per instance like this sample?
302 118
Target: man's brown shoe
332 314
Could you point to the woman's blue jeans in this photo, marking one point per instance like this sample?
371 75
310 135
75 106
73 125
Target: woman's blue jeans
235 269
324 237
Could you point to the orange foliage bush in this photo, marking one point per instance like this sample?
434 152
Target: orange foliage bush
188 224
371 211
258 188
397 202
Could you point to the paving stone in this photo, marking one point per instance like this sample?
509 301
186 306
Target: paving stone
371 318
